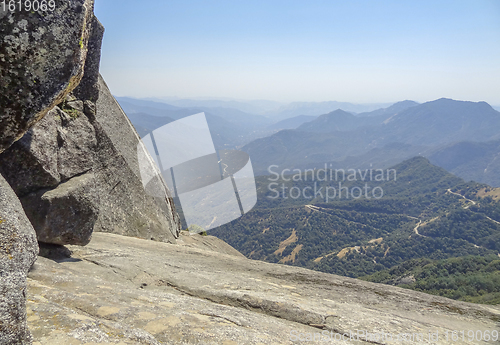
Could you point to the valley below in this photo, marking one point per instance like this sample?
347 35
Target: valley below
431 214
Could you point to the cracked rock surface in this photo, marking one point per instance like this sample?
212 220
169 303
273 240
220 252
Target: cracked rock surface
125 290
77 171
42 57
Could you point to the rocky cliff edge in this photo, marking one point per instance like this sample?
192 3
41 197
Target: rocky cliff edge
125 290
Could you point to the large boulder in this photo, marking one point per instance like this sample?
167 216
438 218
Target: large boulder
42 57
18 251
46 155
56 182
80 173
66 214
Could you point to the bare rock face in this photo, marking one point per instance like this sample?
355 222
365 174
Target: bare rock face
76 171
88 88
18 250
56 183
75 179
66 214
125 207
36 151
51 166
42 56
45 156
124 290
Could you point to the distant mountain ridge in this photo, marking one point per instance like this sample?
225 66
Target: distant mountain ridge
319 108
340 121
272 109
230 128
471 161
252 106
444 130
344 139
443 121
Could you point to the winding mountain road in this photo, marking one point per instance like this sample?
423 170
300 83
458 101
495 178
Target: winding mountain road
463 197
472 202
416 228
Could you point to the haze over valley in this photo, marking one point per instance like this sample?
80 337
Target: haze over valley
441 208
459 136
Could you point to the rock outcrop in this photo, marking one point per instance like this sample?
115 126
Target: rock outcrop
70 174
64 161
125 207
18 251
51 170
42 57
124 290
66 214
77 171
80 173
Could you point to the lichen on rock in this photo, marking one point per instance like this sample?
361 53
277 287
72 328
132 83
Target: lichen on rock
42 58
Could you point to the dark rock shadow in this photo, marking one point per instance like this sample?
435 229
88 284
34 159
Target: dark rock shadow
56 252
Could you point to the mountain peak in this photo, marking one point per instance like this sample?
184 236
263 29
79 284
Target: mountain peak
404 104
453 102
339 112
337 120
336 115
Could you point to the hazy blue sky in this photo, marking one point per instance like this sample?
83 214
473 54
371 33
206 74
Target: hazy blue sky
355 51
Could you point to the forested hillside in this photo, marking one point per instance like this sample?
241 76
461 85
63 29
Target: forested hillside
468 278
424 212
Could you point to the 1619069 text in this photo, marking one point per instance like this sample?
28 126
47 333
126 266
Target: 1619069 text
27 5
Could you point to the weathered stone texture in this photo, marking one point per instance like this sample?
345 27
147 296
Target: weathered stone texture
88 88
80 173
56 183
66 214
18 250
77 169
126 208
125 290
42 55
